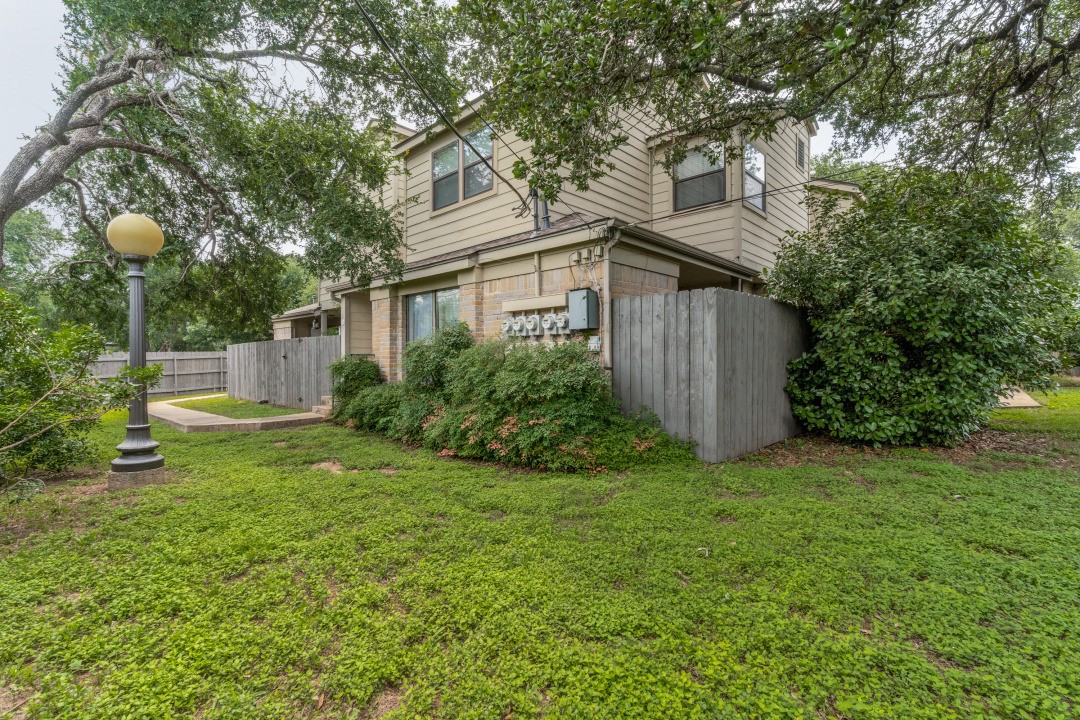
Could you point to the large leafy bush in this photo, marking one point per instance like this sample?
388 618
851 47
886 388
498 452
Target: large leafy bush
536 405
48 397
350 374
924 302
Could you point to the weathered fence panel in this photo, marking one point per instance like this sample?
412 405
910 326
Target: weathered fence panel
184 372
711 364
290 373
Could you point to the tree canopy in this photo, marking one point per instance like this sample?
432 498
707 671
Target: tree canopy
960 84
236 124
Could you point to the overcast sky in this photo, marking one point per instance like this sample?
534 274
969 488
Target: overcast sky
30 31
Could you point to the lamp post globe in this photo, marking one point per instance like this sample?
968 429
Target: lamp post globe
137 238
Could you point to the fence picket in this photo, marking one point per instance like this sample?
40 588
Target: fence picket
711 364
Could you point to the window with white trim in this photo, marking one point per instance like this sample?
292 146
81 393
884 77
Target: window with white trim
699 178
430 311
459 173
754 177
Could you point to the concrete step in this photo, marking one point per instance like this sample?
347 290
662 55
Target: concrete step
327 399
323 410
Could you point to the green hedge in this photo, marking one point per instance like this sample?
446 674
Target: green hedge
351 374
527 404
925 301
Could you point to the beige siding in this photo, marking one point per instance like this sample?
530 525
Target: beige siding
710 228
732 229
784 204
326 301
624 194
466 223
359 323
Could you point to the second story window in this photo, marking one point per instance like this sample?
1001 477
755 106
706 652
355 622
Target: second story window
800 153
459 173
444 174
699 180
754 177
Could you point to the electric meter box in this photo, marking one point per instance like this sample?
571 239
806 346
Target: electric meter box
583 308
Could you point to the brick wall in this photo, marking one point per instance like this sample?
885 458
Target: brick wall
481 303
387 334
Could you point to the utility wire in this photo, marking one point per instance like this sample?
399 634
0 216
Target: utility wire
431 101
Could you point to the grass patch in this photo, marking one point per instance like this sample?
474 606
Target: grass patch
237 409
899 584
1059 416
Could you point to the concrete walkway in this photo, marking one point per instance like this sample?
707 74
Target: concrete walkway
1017 398
186 420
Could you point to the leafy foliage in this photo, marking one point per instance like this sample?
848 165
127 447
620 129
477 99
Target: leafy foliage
967 84
924 302
48 398
235 125
537 405
351 374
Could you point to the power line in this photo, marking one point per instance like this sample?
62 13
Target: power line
427 95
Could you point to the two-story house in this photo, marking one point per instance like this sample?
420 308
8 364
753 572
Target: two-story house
470 256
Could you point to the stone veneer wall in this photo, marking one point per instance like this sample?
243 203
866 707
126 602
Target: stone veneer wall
481 303
387 334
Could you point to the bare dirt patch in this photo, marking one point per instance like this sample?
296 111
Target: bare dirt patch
281 443
607 497
332 465
987 449
13 704
388 470
388 700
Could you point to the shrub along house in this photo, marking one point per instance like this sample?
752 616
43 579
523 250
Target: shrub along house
470 256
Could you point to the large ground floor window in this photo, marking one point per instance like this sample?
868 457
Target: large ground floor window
430 311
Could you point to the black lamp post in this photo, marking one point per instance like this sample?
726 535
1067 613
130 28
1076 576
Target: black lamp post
137 238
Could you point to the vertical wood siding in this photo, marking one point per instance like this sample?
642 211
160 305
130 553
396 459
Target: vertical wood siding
289 373
184 372
711 364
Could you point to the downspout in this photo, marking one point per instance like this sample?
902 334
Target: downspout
605 321
535 209
545 215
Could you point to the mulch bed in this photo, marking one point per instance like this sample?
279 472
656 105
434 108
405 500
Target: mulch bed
985 445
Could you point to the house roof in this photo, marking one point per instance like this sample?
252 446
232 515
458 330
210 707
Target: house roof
300 312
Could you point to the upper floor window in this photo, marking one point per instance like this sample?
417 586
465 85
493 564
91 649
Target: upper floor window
457 172
800 153
754 177
699 179
431 311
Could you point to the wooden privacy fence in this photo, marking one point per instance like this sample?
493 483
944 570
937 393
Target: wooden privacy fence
712 365
184 372
291 373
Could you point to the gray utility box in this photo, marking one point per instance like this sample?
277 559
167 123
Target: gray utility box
583 307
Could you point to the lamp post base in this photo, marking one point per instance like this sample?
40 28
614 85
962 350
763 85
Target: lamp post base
137 451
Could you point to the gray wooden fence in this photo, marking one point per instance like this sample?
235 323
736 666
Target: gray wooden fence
290 373
184 372
712 364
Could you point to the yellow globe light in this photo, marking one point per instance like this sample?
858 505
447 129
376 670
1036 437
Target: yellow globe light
133 234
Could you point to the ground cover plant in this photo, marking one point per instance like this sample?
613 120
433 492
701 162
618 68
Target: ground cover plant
237 409
315 573
531 404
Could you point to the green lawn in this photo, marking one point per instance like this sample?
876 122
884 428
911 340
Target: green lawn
814 583
238 409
